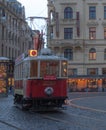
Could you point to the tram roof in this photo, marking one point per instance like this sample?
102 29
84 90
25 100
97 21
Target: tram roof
45 57
45 54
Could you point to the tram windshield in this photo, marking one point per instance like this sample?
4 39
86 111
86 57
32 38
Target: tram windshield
49 68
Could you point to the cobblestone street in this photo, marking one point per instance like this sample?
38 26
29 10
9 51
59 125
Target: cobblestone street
70 119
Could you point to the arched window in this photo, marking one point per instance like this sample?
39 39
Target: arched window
92 54
51 16
68 53
105 54
68 13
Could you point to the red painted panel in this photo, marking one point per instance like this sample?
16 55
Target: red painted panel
36 88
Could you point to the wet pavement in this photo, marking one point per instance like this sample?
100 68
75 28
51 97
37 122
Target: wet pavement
57 121
93 100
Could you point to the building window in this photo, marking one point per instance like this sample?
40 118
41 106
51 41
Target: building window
3 13
68 53
104 12
68 13
105 54
92 71
72 72
51 32
51 16
92 12
92 33
92 54
104 71
68 33
104 32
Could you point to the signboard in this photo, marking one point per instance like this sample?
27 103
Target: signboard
49 77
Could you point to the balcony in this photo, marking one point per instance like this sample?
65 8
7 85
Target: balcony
64 42
68 21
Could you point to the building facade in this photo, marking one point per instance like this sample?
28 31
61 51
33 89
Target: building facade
77 31
15 34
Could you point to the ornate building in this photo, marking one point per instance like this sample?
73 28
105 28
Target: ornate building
15 34
77 31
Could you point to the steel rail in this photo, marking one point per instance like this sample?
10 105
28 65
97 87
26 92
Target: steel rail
10 125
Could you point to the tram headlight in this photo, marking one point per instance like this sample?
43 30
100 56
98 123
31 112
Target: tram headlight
32 53
49 91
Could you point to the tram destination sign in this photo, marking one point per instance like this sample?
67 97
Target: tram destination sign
49 77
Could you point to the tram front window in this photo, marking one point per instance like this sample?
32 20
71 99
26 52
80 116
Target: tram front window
49 68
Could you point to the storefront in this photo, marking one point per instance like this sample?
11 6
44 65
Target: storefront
84 84
6 75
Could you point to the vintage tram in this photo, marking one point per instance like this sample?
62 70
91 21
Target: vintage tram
40 80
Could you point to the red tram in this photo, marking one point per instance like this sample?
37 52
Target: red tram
40 80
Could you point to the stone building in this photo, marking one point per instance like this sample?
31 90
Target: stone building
15 34
77 31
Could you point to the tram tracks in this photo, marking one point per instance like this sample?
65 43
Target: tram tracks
68 119
71 119
9 125
91 120
74 120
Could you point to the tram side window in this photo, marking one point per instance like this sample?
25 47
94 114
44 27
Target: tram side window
25 70
49 68
64 69
18 71
33 68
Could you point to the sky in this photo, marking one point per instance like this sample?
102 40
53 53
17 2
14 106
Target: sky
35 8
